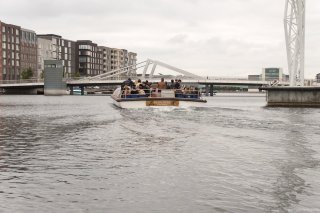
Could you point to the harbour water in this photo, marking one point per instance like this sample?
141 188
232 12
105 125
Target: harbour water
81 154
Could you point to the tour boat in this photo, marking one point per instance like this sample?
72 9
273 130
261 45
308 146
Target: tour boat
163 98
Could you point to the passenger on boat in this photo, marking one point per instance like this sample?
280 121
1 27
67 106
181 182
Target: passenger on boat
126 90
177 84
138 83
162 84
186 90
141 90
134 90
128 82
146 87
171 86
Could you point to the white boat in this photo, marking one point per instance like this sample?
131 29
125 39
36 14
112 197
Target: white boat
164 98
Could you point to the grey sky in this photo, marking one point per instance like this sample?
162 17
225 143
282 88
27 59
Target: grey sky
207 37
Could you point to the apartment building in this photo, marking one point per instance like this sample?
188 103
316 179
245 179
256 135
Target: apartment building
54 47
115 59
89 61
9 51
28 51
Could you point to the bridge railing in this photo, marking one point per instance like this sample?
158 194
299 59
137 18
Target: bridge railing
21 81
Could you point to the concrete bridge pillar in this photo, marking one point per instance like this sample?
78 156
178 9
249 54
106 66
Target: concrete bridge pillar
211 89
207 90
71 90
82 90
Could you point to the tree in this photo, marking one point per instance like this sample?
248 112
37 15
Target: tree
27 73
76 75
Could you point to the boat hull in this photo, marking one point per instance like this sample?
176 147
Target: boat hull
157 103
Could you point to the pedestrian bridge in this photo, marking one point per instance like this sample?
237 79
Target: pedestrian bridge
116 77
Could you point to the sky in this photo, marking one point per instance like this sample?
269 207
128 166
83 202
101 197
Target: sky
225 38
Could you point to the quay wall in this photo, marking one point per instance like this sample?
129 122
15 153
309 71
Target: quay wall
293 96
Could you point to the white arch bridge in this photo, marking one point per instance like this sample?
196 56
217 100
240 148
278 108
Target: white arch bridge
149 67
116 77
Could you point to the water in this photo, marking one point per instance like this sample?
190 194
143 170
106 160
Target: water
80 154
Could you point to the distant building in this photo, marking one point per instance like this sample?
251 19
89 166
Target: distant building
54 47
254 77
271 74
318 78
10 68
89 60
28 51
115 59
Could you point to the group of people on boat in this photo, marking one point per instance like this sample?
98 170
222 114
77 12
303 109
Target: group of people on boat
146 88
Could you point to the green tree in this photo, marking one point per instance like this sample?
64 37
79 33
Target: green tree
76 75
27 73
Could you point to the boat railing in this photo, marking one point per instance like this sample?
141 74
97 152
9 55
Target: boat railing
127 93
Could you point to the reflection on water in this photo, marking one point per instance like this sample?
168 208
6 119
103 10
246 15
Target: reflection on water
80 154
299 157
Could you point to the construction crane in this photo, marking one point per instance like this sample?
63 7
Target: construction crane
294 23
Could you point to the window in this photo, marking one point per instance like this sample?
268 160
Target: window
4 62
17 63
4 46
4 54
4 38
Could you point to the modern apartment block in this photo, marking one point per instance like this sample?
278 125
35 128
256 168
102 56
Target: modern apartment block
271 74
9 51
89 61
115 59
21 49
54 47
28 52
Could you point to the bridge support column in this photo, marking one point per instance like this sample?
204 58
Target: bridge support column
211 89
71 90
82 90
207 90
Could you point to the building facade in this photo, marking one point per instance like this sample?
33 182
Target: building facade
10 51
254 77
115 59
89 61
318 78
271 74
54 47
28 52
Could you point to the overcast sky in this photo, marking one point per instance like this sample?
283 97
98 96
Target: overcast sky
206 37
